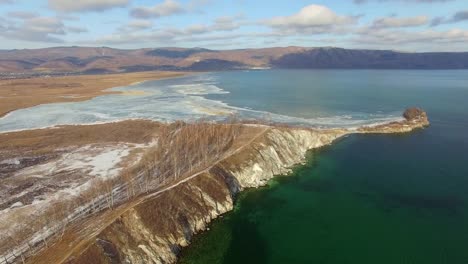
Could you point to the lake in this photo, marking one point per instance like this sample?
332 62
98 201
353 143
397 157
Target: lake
367 198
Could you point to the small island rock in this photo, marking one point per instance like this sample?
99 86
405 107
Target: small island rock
415 114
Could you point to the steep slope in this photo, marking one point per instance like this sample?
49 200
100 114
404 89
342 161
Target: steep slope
156 230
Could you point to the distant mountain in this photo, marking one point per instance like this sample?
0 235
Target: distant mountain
176 53
66 60
336 58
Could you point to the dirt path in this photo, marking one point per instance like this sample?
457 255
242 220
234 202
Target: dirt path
87 230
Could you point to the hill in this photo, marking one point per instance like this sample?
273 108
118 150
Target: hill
79 60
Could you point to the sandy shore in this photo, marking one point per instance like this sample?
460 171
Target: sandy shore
23 93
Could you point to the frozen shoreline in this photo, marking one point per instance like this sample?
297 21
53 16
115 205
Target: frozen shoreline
182 98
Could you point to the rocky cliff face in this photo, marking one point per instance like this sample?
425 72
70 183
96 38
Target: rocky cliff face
275 154
156 230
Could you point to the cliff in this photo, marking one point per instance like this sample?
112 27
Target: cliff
155 230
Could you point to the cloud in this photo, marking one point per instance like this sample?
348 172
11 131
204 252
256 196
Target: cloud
140 24
385 38
166 8
72 29
309 16
130 33
225 23
21 14
40 29
460 16
195 5
132 37
37 28
312 19
457 17
136 25
86 5
228 23
6 2
407 1
395 22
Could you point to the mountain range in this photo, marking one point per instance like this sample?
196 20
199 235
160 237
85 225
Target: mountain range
83 60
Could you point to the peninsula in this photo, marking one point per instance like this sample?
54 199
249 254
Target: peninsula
154 201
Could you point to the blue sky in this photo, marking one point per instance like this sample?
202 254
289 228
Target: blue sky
407 25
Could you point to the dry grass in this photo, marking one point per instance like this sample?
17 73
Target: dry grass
182 150
46 141
186 147
23 93
82 234
43 145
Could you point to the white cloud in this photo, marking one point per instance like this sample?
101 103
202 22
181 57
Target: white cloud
389 22
86 5
49 25
408 1
132 37
37 29
197 29
228 23
140 24
225 23
166 8
394 38
133 32
312 18
41 29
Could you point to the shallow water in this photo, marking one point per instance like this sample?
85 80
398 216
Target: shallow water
367 198
312 98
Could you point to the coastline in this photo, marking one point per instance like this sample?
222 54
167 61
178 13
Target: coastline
273 151
192 99
24 93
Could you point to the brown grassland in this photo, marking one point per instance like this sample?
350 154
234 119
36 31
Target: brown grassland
183 149
46 141
22 93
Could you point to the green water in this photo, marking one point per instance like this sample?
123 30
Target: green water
365 199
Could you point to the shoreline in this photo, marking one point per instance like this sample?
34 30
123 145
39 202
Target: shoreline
203 106
29 92
270 151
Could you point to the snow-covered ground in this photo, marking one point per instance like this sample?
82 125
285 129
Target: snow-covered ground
97 161
62 178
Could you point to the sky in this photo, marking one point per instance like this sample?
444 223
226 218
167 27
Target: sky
404 25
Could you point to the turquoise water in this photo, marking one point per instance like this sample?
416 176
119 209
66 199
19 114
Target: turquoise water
203 96
366 198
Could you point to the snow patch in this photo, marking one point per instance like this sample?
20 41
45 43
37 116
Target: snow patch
10 162
95 161
17 204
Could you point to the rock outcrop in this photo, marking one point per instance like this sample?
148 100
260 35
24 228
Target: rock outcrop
415 114
414 118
